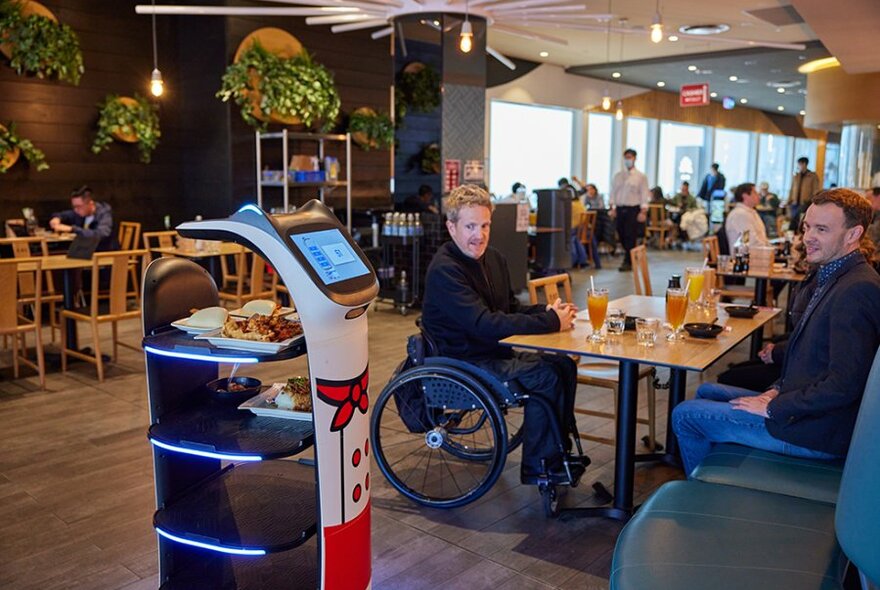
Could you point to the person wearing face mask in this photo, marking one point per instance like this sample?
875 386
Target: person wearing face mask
469 306
629 204
804 185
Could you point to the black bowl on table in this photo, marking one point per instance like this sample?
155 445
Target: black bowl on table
701 330
219 389
630 323
741 311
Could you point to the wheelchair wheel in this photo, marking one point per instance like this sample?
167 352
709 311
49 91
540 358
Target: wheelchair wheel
439 436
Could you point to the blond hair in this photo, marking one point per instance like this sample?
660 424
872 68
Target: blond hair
466 195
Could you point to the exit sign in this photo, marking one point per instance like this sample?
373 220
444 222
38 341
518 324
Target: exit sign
693 95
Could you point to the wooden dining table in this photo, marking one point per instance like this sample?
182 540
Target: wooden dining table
210 255
680 356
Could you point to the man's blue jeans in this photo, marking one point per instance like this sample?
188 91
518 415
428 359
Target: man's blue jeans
711 419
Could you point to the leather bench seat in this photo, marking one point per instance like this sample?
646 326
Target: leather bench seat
736 465
695 535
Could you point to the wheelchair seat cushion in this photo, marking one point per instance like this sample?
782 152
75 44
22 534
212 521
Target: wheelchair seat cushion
736 465
691 534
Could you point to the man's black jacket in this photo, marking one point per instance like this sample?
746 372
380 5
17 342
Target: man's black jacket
469 306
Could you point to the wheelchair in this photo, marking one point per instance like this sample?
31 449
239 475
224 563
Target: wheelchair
442 428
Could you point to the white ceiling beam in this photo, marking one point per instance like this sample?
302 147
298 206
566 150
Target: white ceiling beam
501 58
367 24
176 10
377 3
526 34
382 33
339 19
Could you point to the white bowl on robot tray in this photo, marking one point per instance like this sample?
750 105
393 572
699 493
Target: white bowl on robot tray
204 320
215 338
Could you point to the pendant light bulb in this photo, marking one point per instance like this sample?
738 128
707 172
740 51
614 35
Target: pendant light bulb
157 86
619 114
466 39
606 100
657 29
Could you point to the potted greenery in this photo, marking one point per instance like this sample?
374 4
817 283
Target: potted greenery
296 87
13 145
371 130
430 159
417 88
130 120
36 43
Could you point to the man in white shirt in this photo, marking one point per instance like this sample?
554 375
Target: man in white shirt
743 218
629 204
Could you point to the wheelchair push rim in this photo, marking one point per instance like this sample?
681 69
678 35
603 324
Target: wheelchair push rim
454 453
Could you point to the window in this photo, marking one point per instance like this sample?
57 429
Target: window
681 149
832 162
732 154
775 163
599 140
529 144
805 148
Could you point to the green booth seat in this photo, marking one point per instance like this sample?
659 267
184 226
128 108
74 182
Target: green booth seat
694 535
736 465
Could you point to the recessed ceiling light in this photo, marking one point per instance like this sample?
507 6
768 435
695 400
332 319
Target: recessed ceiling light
616 75
661 83
744 101
436 23
713 94
673 38
804 113
780 90
543 54
780 108
704 29
692 68
733 78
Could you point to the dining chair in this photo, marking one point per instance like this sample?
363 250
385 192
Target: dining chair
115 310
16 324
158 239
711 253
27 248
129 238
641 277
251 281
597 373
586 232
657 223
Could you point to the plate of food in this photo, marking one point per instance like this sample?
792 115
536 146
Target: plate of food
262 307
291 400
258 333
202 320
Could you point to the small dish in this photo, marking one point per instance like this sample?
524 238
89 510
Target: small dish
182 324
218 388
630 323
741 311
700 330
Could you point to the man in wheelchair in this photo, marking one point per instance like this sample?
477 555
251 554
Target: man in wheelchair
469 306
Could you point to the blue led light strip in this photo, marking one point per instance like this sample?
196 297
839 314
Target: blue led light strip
221 549
250 207
201 357
209 454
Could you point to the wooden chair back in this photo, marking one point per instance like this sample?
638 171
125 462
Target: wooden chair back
257 282
24 248
780 224
710 249
159 239
10 282
15 228
587 227
641 278
656 216
129 234
118 294
550 286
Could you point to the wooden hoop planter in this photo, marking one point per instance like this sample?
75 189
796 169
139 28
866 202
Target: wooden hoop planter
277 42
28 7
8 159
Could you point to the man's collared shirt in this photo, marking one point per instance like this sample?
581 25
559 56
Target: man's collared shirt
629 189
743 218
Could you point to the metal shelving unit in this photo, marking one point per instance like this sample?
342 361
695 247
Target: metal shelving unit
286 184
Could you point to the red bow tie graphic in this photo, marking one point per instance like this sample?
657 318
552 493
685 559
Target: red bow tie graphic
347 396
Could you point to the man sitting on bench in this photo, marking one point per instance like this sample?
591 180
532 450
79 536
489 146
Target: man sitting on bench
811 410
469 307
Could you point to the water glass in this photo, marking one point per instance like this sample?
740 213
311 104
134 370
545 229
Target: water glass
724 263
616 320
646 331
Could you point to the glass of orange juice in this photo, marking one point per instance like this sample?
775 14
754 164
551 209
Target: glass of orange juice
597 305
694 280
676 310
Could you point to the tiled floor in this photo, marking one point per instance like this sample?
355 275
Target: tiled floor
76 496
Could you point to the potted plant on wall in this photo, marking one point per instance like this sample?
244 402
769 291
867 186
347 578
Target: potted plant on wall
417 89
429 160
130 120
12 146
295 88
36 43
371 130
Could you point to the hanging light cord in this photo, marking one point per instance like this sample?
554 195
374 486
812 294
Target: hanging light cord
155 55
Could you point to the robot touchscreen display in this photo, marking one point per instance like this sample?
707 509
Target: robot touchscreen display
330 255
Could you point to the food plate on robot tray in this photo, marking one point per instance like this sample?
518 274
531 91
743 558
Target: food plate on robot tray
285 312
182 324
262 405
216 338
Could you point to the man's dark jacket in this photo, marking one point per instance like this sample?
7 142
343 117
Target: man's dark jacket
100 227
827 361
469 306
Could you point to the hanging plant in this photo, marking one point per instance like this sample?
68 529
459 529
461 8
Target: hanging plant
12 145
37 44
417 88
430 159
371 130
294 87
129 120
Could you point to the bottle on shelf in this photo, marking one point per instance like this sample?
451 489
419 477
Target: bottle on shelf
401 296
418 226
386 226
410 225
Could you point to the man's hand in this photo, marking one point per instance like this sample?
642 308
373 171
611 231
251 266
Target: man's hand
565 312
766 353
54 222
642 216
578 181
755 404
62 228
